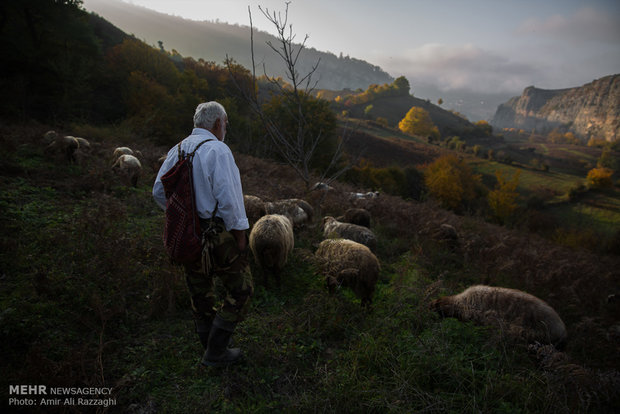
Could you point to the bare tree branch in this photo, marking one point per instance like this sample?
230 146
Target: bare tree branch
297 147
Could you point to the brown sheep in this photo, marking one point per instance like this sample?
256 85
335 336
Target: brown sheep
360 234
350 264
128 167
359 216
518 313
254 208
271 241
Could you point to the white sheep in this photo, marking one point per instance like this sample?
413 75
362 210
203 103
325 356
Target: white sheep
60 144
84 143
271 241
321 186
363 196
515 312
118 151
299 211
128 167
360 234
350 264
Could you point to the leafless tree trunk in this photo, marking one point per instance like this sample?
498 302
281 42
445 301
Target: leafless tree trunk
295 147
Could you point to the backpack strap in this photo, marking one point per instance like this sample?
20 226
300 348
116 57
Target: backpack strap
191 154
180 152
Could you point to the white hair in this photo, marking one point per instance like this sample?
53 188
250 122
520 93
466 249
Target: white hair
207 113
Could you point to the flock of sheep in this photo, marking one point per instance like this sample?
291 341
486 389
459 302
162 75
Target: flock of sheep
125 162
346 258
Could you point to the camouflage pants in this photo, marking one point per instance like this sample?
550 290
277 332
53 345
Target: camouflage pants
227 289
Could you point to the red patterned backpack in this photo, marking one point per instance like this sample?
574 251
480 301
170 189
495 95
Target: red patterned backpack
182 234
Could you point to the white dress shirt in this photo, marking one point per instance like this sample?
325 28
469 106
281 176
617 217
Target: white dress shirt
216 178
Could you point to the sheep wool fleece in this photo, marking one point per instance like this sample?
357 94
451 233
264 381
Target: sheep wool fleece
230 281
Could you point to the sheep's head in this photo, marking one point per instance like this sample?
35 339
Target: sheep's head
444 307
327 220
49 136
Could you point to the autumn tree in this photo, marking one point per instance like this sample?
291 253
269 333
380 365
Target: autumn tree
418 122
600 178
503 198
451 181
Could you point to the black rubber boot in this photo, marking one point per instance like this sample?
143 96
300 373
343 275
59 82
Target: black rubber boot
218 354
203 327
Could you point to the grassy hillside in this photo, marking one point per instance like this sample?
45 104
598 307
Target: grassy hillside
87 298
394 109
554 200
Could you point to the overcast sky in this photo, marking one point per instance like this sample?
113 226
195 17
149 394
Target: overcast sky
482 45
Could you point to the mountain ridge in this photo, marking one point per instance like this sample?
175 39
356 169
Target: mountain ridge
589 111
217 41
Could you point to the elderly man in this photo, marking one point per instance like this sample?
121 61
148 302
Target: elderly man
220 298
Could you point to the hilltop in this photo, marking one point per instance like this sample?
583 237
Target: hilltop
214 41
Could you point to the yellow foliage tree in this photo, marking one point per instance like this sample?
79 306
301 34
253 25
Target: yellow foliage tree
418 122
503 199
600 177
451 181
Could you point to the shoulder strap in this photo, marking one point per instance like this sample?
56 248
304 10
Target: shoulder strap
191 154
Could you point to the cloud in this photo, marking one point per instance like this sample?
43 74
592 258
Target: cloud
462 67
586 25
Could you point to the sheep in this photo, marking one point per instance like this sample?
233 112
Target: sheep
298 210
84 144
271 241
321 186
129 167
254 208
61 144
363 196
359 216
49 136
523 315
305 206
354 232
118 151
350 264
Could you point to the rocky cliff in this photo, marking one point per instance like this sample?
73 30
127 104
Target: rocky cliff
591 110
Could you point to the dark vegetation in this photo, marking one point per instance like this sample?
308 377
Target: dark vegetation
88 298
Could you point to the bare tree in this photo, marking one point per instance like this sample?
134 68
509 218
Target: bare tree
295 145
